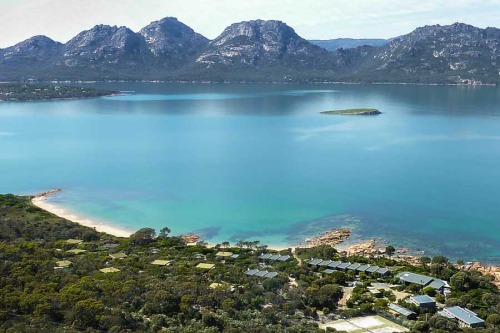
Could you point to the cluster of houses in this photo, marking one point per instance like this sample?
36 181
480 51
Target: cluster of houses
465 317
332 266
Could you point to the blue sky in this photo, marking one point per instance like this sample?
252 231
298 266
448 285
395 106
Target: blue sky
312 19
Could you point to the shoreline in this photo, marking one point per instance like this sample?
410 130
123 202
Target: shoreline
337 238
41 200
260 82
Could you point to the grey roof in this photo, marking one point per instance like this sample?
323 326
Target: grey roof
324 263
446 314
251 272
334 264
265 256
372 269
422 299
328 271
283 258
362 268
234 256
437 284
399 309
274 257
270 275
344 265
464 315
382 271
314 261
409 277
353 266
261 273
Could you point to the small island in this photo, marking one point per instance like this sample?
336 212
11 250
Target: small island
18 92
359 112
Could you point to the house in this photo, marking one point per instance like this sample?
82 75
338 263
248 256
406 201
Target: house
109 270
465 317
362 268
353 267
77 251
160 262
343 266
223 255
62 264
422 280
205 266
423 302
119 255
372 269
274 257
382 271
259 273
334 264
251 272
398 311
325 263
314 262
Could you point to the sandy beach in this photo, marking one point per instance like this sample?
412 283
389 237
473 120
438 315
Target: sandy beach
42 200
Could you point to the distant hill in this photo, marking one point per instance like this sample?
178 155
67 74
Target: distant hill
257 51
348 43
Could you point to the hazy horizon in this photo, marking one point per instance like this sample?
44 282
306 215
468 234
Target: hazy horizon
22 19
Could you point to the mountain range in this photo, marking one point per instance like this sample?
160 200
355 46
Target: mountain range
257 51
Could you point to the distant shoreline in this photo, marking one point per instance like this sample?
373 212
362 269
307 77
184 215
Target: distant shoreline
257 82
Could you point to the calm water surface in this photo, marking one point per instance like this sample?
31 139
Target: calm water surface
259 162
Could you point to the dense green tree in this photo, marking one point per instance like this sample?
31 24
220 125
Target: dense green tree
143 236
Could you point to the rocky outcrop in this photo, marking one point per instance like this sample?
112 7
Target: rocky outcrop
331 237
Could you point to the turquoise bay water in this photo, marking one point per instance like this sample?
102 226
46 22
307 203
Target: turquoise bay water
259 162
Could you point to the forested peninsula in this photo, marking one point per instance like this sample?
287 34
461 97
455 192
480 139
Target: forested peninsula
39 92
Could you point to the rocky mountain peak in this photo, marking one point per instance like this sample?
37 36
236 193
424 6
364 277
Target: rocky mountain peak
103 42
37 49
258 30
259 42
172 38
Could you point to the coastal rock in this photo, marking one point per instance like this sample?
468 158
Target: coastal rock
331 237
47 193
190 238
366 247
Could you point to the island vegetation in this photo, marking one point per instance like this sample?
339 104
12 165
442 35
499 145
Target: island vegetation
40 92
359 112
58 276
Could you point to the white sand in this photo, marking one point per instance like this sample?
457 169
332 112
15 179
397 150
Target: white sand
43 202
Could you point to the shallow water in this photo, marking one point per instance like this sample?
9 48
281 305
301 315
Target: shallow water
259 162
